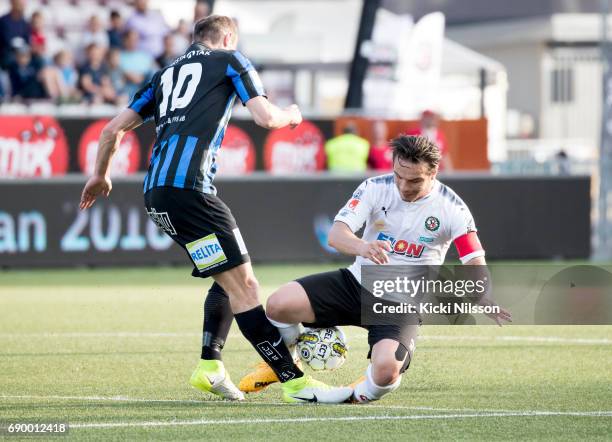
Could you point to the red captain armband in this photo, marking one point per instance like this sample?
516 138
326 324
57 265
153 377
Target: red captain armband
468 244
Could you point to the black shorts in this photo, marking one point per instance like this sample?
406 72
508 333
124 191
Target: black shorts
336 299
202 225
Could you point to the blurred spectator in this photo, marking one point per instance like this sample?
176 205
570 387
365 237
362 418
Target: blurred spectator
169 54
26 74
136 64
95 33
65 78
347 152
201 10
562 163
428 127
181 37
13 28
115 30
38 40
116 75
94 79
381 155
150 26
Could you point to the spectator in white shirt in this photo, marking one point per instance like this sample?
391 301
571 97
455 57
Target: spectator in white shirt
151 28
95 33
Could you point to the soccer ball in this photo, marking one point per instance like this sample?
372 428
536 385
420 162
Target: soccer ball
322 348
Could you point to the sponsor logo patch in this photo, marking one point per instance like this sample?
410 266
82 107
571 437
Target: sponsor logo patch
403 247
353 203
425 239
206 252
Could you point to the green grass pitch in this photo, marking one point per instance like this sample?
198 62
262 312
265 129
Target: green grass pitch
110 352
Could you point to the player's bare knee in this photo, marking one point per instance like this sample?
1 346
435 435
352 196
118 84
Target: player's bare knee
250 290
276 308
251 283
385 371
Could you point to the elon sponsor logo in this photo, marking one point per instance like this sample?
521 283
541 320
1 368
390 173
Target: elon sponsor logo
296 150
126 160
32 147
237 153
402 247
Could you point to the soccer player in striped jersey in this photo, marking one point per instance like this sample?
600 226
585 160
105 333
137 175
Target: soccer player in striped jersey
191 102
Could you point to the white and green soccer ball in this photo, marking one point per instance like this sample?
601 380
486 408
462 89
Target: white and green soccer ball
323 348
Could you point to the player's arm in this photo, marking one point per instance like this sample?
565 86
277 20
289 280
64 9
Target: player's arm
141 108
269 116
350 219
342 238
110 138
250 90
471 253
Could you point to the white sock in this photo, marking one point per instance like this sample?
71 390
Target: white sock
290 334
367 391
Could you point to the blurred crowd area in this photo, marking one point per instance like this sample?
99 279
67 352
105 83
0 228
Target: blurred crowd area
94 51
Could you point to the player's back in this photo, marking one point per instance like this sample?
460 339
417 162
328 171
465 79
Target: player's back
191 101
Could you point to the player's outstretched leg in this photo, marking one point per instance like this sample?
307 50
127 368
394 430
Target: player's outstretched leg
288 303
242 287
263 376
389 359
210 374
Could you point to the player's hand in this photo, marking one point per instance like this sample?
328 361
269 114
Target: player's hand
95 187
375 251
296 115
499 318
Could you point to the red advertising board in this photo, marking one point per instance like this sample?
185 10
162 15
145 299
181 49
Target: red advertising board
32 146
299 150
125 162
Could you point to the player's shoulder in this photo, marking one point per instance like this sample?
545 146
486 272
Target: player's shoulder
237 58
448 196
385 180
376 186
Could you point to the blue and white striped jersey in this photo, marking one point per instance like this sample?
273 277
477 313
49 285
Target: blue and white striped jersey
191 101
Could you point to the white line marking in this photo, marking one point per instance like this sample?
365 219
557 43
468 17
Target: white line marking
248 403
101 335
327 419
543 339
116 399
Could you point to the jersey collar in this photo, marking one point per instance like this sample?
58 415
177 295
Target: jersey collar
197 45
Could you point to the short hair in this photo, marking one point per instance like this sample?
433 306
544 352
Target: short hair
213 27
416 149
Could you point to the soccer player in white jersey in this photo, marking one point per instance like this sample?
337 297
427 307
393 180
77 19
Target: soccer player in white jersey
410 218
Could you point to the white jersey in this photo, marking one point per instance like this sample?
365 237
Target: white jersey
420 232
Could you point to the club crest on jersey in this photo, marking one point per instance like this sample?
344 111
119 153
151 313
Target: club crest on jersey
403 247
432 223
